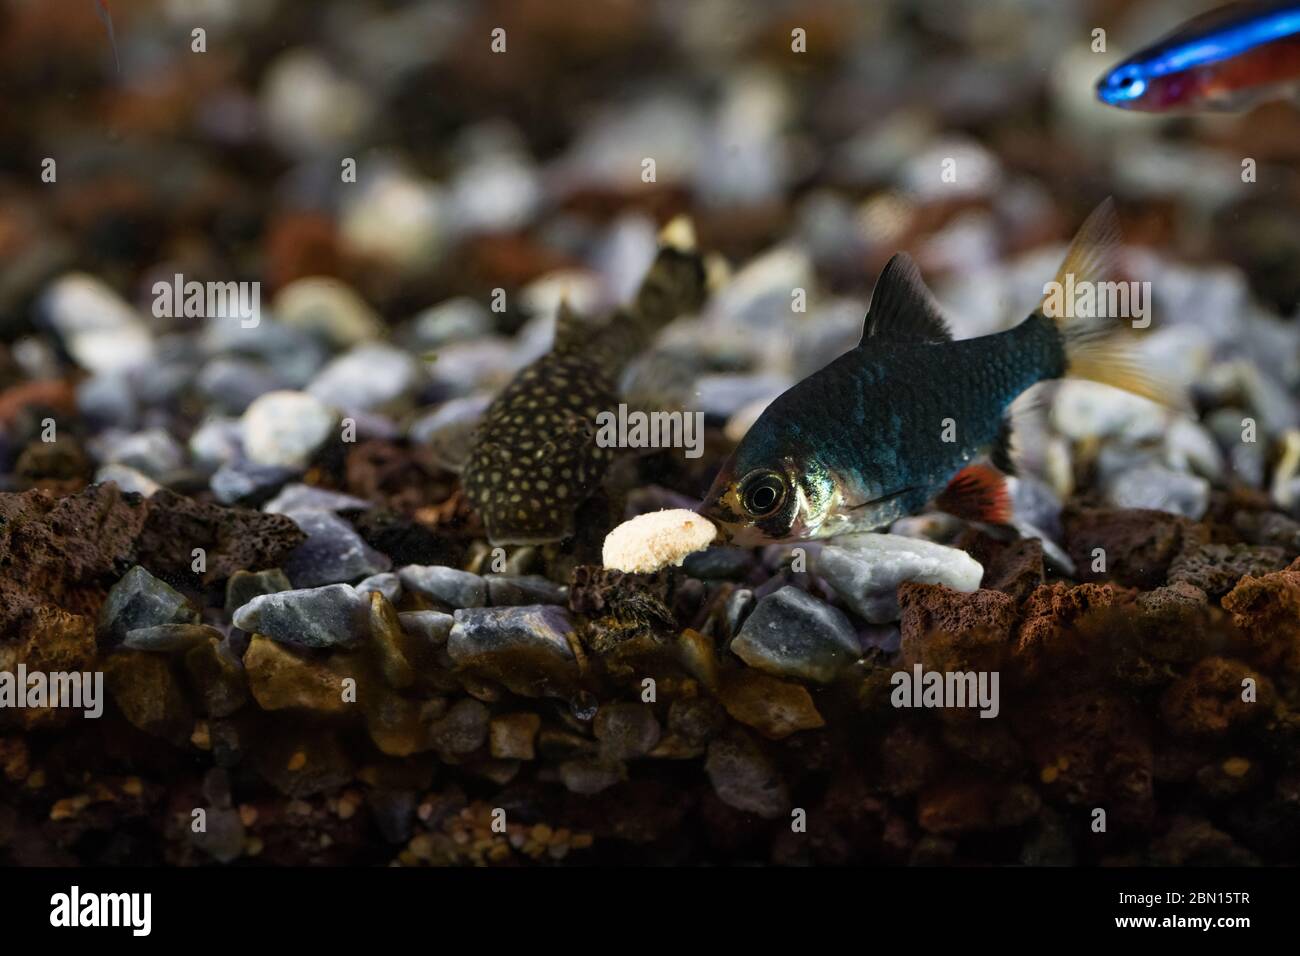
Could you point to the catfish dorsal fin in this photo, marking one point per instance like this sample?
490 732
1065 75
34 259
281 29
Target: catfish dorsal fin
571 328
902 308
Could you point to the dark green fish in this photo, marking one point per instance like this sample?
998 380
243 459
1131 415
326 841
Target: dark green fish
885 428
535 458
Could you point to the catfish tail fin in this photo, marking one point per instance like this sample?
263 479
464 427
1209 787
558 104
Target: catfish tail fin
676 284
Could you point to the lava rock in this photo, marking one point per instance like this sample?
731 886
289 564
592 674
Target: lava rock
1216 568
1136 546
1062 626
1265 610
947 630
233 539
1208 700
60 551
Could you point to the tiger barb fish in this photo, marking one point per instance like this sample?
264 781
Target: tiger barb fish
535 458
1228 58
898 421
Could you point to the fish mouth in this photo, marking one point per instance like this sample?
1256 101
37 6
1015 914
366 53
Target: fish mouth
724 528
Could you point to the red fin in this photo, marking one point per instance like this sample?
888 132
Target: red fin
977 493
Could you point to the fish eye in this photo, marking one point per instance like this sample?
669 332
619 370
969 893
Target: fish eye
763 493
1126 84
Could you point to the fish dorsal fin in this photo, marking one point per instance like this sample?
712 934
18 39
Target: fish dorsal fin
902 308
571 327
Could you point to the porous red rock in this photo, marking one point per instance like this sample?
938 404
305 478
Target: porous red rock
233 539
949 630
1209 699
1013 567
1174 625
1093 750
64 552
1266 610
1216 568
1063 624
1138 545
967 805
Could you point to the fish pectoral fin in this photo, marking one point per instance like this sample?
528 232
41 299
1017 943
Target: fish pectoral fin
874 502
977 493
903 308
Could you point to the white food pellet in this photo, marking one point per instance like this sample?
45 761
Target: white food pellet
651 541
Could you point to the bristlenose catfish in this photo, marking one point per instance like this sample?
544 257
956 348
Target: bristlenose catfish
535 458
898 422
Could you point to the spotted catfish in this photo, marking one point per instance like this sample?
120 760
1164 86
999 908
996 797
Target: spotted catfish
535 458
899 420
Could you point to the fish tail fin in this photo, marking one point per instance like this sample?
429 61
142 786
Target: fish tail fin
1099 348
676 284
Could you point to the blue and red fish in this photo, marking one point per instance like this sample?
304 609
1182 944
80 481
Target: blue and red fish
1228 58
901 421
